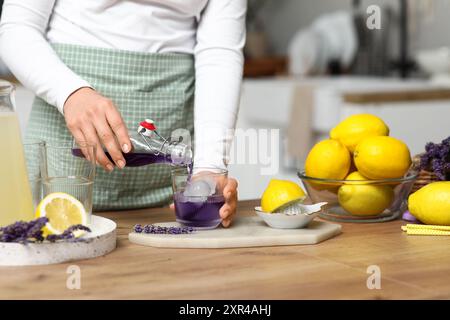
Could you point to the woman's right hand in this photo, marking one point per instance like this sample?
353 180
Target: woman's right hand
93 119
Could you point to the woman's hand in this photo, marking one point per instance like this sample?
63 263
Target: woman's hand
93 119
228 210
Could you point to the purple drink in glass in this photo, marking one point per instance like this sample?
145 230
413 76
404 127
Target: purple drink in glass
198 212
198 195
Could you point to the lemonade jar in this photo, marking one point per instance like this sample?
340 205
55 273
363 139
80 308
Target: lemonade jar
15 193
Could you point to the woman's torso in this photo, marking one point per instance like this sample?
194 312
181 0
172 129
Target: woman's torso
154 26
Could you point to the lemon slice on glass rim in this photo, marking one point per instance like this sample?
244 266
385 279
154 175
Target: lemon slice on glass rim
63 211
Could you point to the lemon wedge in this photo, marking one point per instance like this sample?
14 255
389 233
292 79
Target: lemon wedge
62 211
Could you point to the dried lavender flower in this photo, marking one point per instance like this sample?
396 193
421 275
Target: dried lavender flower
437 159
68 234
31 232
23 232
154 229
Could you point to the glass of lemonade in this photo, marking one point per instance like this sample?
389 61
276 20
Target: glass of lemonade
34 151
65 172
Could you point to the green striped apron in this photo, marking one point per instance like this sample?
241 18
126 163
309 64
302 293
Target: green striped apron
142 85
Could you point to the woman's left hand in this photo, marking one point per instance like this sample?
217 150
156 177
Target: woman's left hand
228 210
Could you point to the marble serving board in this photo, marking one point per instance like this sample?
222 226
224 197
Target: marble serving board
245 232
99 242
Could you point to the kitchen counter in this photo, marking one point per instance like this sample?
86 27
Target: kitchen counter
408 95
412 267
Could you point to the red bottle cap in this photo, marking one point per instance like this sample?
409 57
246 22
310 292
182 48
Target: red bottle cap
148 124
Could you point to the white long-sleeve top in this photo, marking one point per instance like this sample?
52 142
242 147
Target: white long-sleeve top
212 30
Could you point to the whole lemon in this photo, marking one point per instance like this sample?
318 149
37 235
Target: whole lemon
431 204
382 158
361 199
279 193
328 159
355 128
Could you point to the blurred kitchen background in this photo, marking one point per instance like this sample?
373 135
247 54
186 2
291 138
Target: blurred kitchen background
311 63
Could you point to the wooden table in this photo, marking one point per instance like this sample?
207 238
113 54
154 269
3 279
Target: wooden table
411 267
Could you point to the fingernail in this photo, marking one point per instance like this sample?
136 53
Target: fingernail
121 164
125 148
109 167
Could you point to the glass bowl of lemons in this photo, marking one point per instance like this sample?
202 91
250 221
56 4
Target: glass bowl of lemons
363 173
358 199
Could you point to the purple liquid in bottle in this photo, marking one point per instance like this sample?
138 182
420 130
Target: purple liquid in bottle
134 159
201 213
197 212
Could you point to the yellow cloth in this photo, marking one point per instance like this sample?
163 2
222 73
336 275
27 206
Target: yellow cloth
426 230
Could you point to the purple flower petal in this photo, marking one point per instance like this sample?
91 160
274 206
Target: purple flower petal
407 216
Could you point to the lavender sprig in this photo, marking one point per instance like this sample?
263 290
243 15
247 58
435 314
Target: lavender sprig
437 159
68 234
24 232
31 232
154 229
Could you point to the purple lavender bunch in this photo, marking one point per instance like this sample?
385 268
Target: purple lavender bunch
154 229
31 232
24 232
437 159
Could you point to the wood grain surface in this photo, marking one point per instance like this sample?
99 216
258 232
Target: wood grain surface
412 267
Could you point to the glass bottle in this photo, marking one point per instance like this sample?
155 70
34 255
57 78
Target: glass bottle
149 147
15 194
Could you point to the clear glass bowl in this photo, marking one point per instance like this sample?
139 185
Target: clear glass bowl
326 190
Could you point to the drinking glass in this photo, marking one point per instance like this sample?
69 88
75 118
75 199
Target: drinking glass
34 151
65 172
198 197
